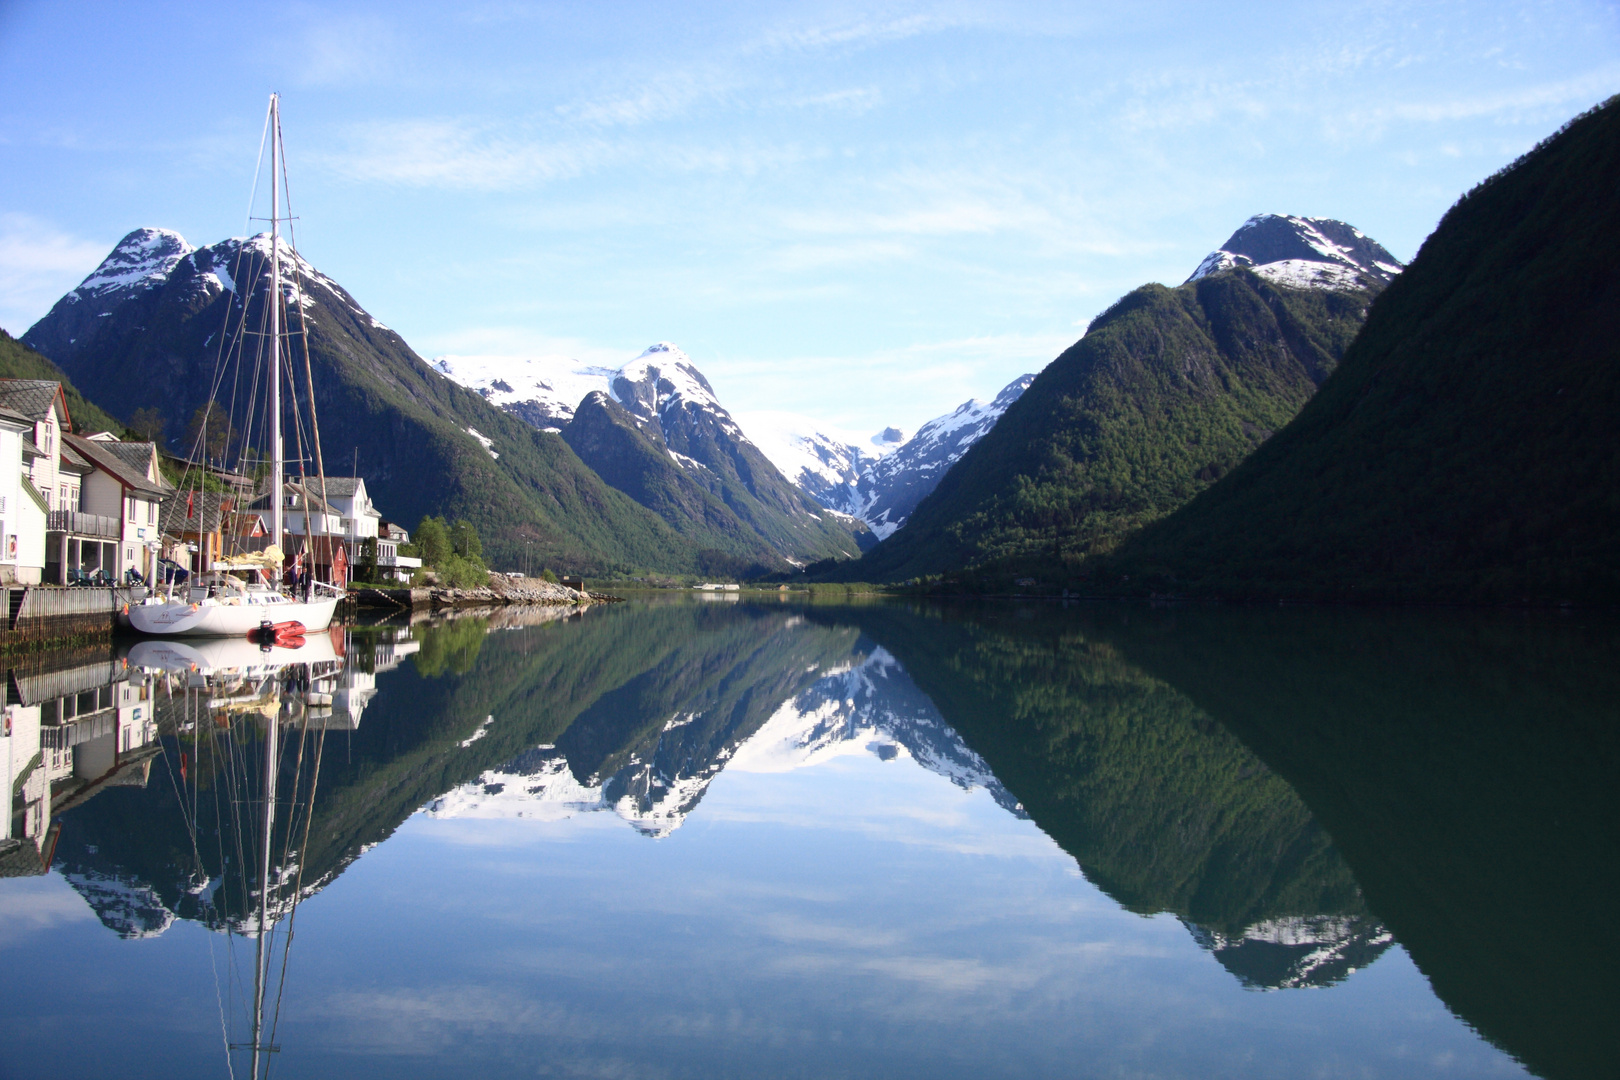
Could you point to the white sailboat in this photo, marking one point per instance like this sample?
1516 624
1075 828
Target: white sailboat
222 604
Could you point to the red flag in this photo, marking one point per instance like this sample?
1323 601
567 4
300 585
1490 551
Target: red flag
190 495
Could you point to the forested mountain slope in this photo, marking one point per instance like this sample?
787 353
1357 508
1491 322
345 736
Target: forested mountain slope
144 330
1466 447
1169 390
18 361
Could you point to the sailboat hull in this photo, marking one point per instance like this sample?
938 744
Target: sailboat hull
229 618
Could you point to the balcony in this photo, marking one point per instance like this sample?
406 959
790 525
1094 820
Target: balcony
401 562
72 521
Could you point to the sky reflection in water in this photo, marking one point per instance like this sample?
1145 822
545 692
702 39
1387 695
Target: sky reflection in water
742 841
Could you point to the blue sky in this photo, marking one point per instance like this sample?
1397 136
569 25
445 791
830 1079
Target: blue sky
863 213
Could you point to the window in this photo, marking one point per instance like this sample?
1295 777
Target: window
151 513
65 504
131 510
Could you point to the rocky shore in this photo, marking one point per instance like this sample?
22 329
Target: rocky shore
500 590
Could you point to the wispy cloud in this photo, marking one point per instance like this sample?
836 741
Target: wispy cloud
478 155
38 263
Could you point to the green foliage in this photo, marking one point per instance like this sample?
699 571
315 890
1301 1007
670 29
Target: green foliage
210 434
1168 391
1466 447
431 540
365 559
148 424
18 361
464 539
547 575
449 648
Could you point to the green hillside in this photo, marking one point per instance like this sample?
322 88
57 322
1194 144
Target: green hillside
1466 447
18 361
1168 391
607 438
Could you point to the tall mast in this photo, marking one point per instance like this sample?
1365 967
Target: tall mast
271 752
278 466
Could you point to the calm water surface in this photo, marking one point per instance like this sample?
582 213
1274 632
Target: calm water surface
682 839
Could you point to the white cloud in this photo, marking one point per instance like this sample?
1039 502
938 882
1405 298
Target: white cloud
38 263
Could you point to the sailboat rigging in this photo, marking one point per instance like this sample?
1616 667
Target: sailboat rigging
227 701
222 603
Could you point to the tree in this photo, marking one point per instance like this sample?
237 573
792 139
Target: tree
148 424
432 541
365 563
464 540
211 432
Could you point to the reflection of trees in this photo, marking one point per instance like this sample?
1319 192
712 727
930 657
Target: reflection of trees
1465 763
1164 809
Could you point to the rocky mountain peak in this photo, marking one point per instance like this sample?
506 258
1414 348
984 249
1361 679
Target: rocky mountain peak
141 260
1304 253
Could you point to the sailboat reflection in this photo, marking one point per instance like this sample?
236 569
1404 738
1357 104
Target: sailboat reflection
249 739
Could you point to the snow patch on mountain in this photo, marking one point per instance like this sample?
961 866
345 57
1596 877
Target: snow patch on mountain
882 488
142 260
1303 253
1296 951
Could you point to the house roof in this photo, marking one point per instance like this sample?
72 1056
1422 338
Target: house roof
116 460
311 498
14 416
338 487
33 397
193 511
73 461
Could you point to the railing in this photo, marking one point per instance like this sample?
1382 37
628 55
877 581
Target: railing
398 560
72 521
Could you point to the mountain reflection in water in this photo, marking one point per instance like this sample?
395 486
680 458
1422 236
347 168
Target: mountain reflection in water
1299 789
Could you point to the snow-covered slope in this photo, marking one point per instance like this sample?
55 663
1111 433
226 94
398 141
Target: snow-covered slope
868 706
1304 253
883 487
543 391
825 464
676 412
141 261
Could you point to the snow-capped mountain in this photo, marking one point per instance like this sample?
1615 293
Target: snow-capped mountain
635 424
883 488
869 705
1304 253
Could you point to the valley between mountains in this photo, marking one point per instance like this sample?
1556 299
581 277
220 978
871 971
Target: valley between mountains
1302 416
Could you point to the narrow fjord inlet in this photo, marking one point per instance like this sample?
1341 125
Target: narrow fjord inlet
811 541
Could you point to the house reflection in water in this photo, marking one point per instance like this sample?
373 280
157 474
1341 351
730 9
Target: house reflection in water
68 734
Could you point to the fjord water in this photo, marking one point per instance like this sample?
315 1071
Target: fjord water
769 839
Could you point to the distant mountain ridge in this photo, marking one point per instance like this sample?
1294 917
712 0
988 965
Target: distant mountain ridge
882 488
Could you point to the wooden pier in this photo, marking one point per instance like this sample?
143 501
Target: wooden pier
35 615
